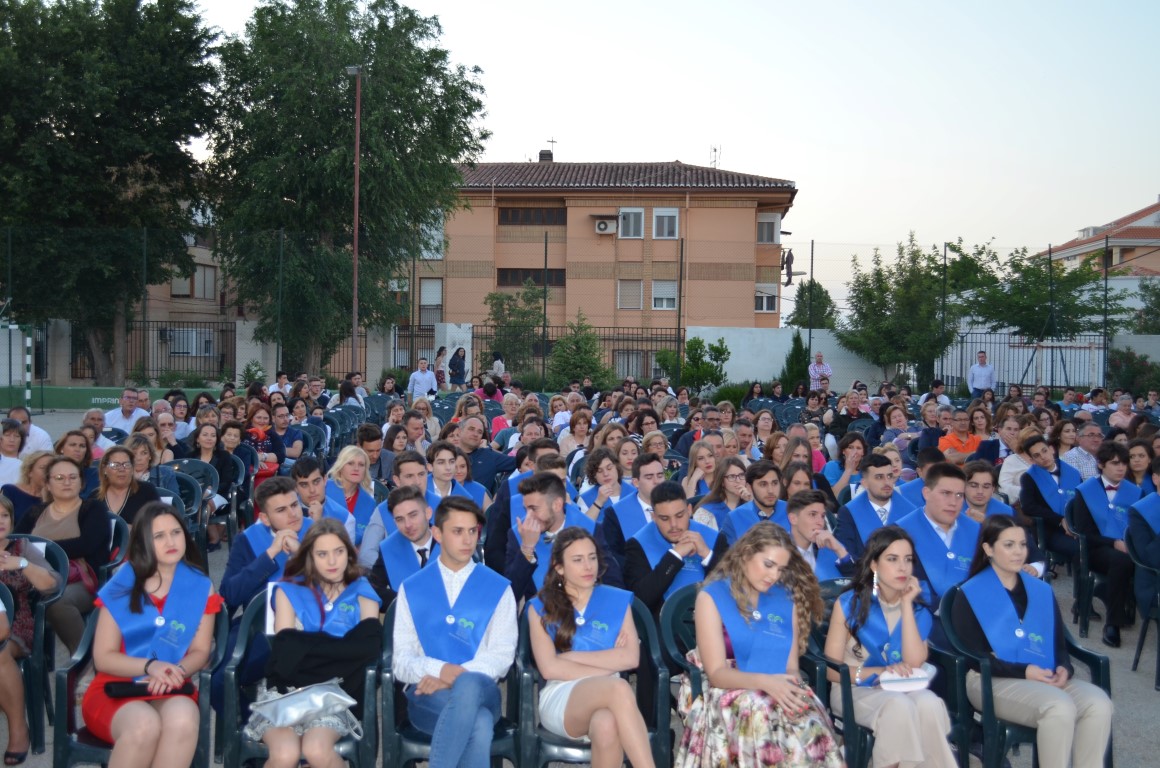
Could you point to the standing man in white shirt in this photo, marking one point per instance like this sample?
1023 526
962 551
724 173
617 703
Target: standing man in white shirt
453 645
126 414
421 382
981 375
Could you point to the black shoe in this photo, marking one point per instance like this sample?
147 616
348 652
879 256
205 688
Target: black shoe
1111 636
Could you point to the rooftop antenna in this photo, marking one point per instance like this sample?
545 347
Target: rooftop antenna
553 143
715 156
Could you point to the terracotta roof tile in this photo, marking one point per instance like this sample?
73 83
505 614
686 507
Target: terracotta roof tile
1120 228
553 175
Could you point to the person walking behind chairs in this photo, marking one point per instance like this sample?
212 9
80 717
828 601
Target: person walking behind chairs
582 636
163 584
880 626
1014 617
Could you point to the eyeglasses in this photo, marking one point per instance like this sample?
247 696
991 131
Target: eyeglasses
120 464
66 478
735 477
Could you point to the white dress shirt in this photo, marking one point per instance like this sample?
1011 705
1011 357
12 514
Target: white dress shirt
37 440
115 419
496 651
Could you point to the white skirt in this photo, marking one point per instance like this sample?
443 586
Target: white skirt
553 701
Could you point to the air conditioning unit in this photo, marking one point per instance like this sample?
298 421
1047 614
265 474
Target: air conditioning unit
606 227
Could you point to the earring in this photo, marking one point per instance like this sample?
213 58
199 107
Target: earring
874 588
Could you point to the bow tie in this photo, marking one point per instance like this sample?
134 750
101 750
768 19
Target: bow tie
1111 487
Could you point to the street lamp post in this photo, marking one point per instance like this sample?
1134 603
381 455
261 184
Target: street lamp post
356 73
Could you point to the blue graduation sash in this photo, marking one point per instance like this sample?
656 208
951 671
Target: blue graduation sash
866 520
588 498
400 559
364 507
260 537
163 635
1031 641
1111 519
746 516
883 646
763 644
912 492
1056 495
1147 486
599 626
656 545
312 613
1149 509
519 512
630 514
719 510
453 634
433 498
477 492
826 566
572 517
384 511
944 567
514 485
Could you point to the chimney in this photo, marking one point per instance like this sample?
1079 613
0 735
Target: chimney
545 155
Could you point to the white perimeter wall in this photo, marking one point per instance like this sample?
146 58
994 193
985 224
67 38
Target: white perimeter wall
758 354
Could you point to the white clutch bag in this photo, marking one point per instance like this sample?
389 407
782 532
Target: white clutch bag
919 679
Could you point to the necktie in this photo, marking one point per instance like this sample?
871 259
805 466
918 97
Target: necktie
881 513
422 557
549 537
1110 488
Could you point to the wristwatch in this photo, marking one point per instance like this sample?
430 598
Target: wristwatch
22 563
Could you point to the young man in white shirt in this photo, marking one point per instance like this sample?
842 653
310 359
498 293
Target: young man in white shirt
455 642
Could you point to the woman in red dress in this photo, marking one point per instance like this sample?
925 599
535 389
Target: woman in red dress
155 628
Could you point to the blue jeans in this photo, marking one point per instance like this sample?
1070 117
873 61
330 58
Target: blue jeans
460 720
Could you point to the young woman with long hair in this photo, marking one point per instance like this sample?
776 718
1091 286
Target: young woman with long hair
1140 455
880 626
163 584
28 491
1063 436
582 636
1013 618
702 463
727 492
753 618
605 483
328 613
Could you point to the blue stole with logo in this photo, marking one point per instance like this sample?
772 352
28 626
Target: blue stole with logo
599 626
260 537
343 615
944 567
364 507
572 517
163 635
1030 641
453 634
883 646
912 492
1111 519
866 520
746 516
826 564
630 514
655 545
400 558
1056 495
1149 509
761 644
719 510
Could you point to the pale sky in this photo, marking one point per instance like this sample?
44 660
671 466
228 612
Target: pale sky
1017 122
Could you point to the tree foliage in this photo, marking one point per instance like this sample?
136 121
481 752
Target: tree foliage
1147 319
518 319
576 354
797 364
1132 371
284 159
1040 300
820 313
98 106
704 365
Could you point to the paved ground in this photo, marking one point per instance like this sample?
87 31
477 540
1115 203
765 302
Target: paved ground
1137 703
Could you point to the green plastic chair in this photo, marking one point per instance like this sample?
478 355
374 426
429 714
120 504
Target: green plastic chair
1149 613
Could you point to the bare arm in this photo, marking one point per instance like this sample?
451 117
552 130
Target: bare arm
552 665
624 656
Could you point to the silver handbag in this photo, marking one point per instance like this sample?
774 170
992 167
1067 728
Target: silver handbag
302 705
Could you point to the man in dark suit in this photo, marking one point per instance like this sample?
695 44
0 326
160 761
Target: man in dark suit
878 505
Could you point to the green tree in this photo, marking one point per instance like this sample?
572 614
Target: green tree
518 319
1042 300
797 364
284 158
897 315
576 354
1147 319
98 107
821 313
704 365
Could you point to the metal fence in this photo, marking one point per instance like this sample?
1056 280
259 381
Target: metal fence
174 349
339 364
1056 363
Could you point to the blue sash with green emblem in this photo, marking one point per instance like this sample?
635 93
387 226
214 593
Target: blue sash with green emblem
883 646
944 567
335 618
163 635
260 537
598 627
452 634
763 640
1110 518
656 545
364 507
1027 641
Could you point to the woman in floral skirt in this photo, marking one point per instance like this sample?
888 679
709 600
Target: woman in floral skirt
752 618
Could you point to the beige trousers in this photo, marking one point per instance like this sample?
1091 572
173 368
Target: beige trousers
1074 722
910 729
